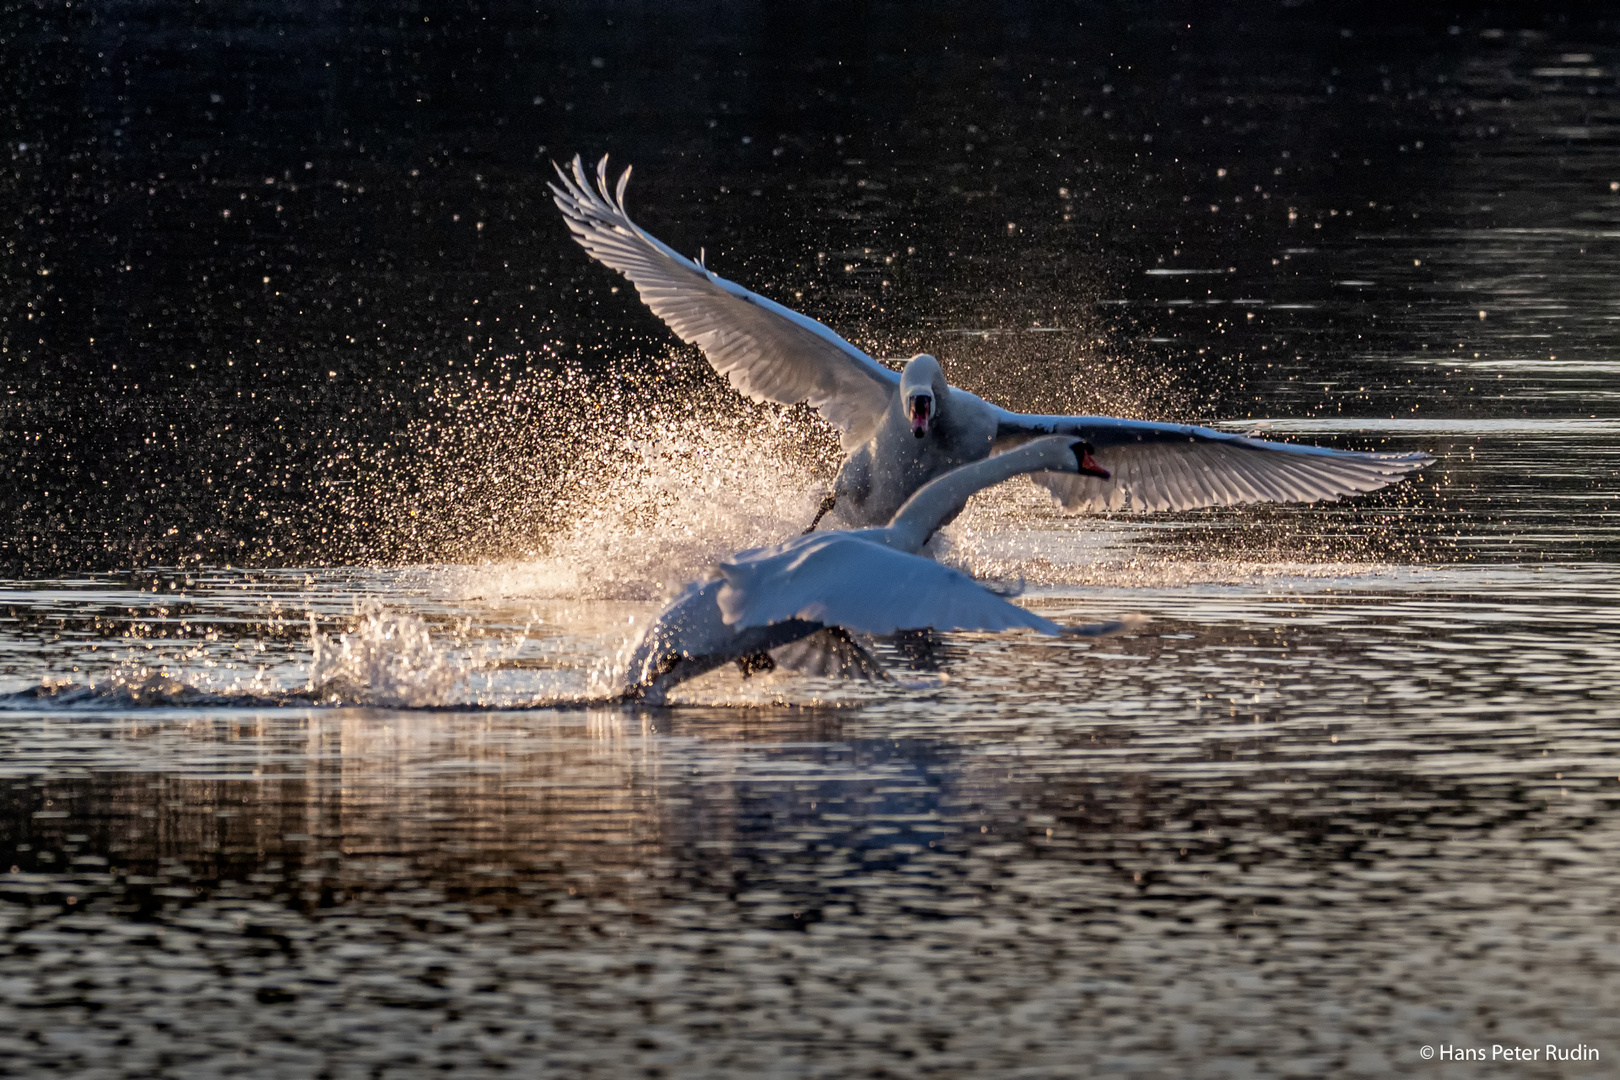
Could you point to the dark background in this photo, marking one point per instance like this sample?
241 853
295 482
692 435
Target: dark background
282 283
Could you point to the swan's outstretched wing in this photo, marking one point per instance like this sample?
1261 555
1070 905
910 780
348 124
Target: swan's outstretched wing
843 580
1178 467
767 351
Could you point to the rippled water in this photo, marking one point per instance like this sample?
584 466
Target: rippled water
308 759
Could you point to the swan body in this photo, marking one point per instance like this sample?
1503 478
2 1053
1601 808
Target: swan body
899 430
951 427
825 584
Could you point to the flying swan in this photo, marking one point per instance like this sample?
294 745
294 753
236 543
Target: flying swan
808 593
900 429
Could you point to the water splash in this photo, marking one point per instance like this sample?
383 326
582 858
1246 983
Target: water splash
497 468
612 484
625 482
382 656
386 658
140 690
665 507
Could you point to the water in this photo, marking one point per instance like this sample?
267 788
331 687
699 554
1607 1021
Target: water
307 756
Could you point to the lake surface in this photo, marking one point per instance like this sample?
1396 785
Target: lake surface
330 518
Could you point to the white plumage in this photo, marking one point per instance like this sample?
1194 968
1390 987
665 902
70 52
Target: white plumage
768 352
1156 466
809 592
849 580
771 353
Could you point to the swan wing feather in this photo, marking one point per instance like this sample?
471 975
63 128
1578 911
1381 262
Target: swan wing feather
831 653
840 579
1157 466
768 352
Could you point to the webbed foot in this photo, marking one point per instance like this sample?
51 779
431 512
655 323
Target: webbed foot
828 501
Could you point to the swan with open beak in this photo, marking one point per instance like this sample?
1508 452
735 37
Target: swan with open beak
901 429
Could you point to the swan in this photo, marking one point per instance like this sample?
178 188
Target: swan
900 429
811 591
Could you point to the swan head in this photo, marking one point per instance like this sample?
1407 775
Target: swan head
922 391
1087 465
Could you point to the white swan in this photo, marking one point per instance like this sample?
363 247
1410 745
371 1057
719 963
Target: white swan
901 429
828 583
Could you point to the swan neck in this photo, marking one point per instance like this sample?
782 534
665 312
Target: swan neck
942 497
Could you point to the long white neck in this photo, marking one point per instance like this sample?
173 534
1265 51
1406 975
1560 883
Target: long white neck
936 501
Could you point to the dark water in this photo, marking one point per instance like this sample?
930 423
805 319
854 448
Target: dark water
336 479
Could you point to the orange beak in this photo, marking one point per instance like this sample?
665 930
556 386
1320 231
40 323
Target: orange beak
1089 466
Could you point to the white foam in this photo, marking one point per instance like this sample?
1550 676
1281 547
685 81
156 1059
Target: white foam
386 658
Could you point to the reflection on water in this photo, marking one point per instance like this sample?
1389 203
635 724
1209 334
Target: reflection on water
1359 811
1351 792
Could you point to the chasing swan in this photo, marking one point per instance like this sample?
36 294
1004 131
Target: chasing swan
816 588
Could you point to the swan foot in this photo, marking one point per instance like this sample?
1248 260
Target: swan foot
656 681
828 501
643 694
